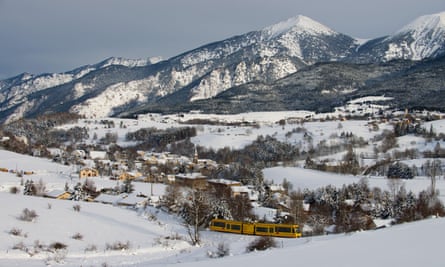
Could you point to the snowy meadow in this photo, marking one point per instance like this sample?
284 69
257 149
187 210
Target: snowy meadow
71 233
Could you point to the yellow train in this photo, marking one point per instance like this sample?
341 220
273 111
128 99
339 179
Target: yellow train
261 229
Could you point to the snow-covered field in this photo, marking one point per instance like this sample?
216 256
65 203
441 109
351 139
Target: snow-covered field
156 238
301 178
409 245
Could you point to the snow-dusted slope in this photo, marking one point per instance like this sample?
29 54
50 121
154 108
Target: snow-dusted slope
423 38
267 55
275 52
116 84
14 92
119 61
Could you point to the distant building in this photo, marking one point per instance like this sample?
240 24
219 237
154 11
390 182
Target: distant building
223 184
130 175
58 194
251 194
98 155
88 172
193 180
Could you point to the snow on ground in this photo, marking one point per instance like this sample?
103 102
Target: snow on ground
98 225
149 232
409 245
302 178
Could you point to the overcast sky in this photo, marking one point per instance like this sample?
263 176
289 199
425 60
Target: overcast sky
38 36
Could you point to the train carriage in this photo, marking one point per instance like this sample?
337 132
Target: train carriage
261 229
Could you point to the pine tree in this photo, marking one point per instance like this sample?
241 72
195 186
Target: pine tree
78 192
29 188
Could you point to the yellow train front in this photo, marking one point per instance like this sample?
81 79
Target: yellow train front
261 229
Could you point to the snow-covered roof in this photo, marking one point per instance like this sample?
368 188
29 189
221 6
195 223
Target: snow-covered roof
224 182
122 199
55 151
107 199
276 187
193 175
55 193
98 154
252 194
131 200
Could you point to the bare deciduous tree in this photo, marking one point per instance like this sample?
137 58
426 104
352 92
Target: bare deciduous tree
433 169
195 214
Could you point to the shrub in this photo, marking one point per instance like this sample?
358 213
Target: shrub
16 232
261 243
58 256
19 246
77 236
91 248
28 215
118 245
166 241
57 245
14 190
221 251
39 246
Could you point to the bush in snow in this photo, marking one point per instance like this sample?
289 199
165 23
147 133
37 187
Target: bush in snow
166 241
40 188
57 245
14 190
261 243
118 245
17 232
57 257
59 253
20 246
76 207
28 215
221 251
77 236
91 248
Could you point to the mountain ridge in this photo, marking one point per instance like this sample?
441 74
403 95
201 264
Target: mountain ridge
117 86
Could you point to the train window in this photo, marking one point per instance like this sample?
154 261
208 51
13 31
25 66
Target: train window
236 227
262 229
283 229
219 224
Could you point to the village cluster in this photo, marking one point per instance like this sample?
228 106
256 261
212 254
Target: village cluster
183 171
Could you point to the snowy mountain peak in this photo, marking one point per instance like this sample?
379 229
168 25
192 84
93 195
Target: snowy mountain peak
420 39
298 23
129 62
426 23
